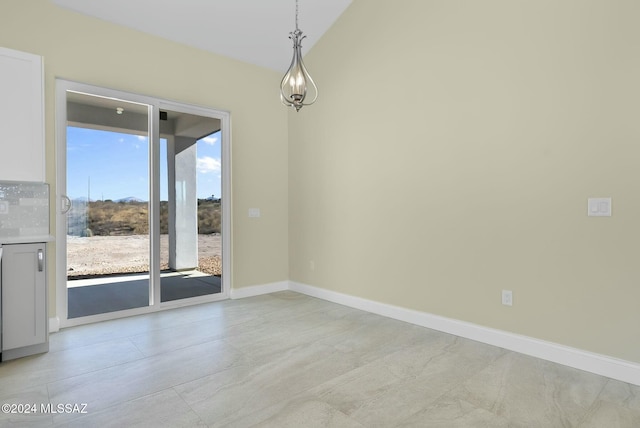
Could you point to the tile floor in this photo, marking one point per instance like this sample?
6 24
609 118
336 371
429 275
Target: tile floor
288 360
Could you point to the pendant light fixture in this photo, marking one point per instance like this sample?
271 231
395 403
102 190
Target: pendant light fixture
297 81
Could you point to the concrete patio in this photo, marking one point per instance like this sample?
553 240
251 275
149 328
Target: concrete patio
119 292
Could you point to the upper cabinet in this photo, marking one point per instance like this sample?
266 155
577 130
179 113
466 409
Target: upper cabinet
22 153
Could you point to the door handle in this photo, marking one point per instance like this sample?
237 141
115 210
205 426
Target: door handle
65 204
40 260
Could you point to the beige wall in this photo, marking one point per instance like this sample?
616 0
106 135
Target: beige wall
84 49
451 154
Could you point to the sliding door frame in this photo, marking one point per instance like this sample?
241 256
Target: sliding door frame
155 105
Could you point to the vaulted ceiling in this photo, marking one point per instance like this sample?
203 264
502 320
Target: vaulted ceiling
253 31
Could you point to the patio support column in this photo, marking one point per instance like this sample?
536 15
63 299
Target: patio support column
183 203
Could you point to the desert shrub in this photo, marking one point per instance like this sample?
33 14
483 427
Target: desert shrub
164 217
209 217
132 218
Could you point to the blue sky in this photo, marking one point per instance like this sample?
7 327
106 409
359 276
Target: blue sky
117 165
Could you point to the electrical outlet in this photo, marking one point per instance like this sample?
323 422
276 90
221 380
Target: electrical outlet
507 297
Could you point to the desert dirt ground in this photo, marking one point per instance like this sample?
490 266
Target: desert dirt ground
103 255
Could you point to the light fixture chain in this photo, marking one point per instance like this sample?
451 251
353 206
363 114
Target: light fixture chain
296 14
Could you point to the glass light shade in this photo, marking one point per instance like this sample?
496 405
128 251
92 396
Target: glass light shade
297 81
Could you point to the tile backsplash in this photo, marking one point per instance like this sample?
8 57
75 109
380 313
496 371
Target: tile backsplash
24 209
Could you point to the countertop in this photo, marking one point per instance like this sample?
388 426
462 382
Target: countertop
26 239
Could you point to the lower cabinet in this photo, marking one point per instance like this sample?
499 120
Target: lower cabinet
23 282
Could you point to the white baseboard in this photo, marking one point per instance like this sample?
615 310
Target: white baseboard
257 290
54 325
603 365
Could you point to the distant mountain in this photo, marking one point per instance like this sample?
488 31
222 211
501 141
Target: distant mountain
130 199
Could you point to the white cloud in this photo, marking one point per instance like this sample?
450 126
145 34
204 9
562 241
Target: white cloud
207 164
210 140
142 137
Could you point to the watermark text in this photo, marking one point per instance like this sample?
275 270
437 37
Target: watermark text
44 408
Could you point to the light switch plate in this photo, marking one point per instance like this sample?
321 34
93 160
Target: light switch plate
599 207
254 212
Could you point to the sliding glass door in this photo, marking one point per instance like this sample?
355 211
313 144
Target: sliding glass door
107 177
141 189
190 206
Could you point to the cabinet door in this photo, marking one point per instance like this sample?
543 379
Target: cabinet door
21 117
24 291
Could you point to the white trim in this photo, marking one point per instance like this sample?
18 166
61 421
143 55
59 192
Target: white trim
225 135
603 365
61 188
154 104
171 304
257 290
54 325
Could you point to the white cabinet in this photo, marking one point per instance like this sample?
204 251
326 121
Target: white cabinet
24 300
22 154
